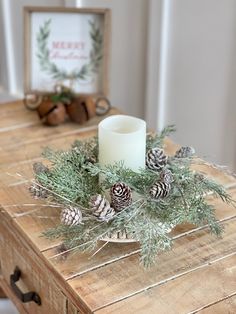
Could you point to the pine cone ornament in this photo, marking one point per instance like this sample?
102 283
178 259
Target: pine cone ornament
91 159
166 176
156 159
160 190
101 208
185 152
121 196
71 216
37 191
38 168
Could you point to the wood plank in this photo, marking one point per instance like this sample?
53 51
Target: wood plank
125 277
33 216
227 305
24 167
34 150
71 265
33 276
37 133
71 309
184 294
2 294
15 114
27 245
76 264
218 175
33 224
87 272
18 203
16 174
10 294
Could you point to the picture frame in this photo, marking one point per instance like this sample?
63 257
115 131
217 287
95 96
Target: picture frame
66 46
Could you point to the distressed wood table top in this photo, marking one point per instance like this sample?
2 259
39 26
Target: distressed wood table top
197 276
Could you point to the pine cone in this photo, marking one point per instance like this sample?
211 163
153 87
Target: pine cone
101 208
39 167
71 216
91 159
121 196
37 191
156 159
159 190
166 176
185 152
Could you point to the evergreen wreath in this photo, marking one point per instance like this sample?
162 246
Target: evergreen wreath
96 55
169 193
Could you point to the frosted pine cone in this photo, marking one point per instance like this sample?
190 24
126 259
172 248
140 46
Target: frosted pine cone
121 196
159 190
71 216
166 176
156 159
101 208
37 191
39 167
91 159
185 152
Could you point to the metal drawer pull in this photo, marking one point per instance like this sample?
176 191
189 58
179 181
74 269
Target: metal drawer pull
24 297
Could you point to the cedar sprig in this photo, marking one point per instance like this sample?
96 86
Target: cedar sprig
73 178
157 139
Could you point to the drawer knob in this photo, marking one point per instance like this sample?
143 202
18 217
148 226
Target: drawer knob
24 297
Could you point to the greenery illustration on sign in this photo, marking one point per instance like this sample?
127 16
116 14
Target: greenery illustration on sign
60 74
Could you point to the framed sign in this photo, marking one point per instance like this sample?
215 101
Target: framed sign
66 46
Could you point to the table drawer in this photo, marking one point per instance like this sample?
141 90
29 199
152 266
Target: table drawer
34 277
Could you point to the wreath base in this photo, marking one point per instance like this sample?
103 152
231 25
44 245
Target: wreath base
124 236
119 237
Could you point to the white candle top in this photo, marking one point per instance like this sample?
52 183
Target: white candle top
122 138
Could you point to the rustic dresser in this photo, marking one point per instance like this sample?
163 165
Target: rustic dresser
197 276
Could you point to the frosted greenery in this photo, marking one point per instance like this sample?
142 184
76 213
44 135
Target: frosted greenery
72 179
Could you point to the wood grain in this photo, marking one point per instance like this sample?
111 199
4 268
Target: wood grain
36 133
126 277
10 294
14 115
77 264
184 294
18 149
2 294
197 276
226 305
34 277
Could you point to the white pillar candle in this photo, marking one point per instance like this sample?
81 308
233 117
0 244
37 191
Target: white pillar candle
122 138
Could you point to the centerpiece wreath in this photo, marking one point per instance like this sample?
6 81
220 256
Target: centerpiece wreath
126 205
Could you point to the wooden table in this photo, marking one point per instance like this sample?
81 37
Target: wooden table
197 276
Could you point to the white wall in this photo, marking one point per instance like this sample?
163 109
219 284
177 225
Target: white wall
201 76
11 14
3 69
198 84
128 51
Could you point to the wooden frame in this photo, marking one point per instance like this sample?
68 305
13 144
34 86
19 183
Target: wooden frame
101 79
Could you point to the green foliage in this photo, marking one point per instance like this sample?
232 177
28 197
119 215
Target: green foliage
46 65
74 179
156 140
